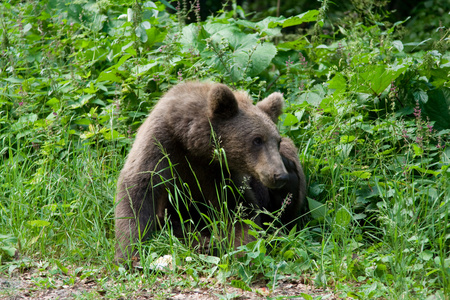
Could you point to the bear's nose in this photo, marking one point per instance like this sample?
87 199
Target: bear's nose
280 179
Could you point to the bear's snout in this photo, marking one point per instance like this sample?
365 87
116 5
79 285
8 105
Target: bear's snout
280 180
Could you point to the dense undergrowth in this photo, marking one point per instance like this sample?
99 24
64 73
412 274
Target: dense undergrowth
369 113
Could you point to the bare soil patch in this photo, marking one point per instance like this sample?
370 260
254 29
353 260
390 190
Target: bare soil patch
26 286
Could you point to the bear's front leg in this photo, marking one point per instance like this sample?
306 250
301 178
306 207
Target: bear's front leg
142 201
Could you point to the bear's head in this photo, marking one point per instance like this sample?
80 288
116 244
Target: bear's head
248 134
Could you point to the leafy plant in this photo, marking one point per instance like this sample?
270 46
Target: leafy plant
367 103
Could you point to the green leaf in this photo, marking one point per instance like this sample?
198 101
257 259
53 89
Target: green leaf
167 4
249 57
252 224
437 108
417 150
345 139
91 89
343 217
97 24
52 102
398 45
310 97
289 254
290 120
359 174
338 83
209 259
139 70
111 134
111 75
240 285
27 28
82 121
38 223
421 96
63 269
298 44
8 245
141 33
423 170
318 210
308 16
306 296
375 79
155 35
194 37
146 25
426 255
261 58
10 251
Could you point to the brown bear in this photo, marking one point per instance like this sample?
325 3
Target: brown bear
177 145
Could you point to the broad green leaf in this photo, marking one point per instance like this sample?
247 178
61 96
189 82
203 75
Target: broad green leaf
318 210
398 45
13 79
306 296
252 224
155 35
359 174
418 151
80 101
10 250
91 89
111 75
97 24
261 58
437 108
386 152
27 28
290 120
52 102
6 238
421 96
310 97
343 217
240 285
289 254
166 3
141 33
423 170
138 70
249 57
375 79
308 16
111 135
209 259
345 139
82 121
298 44
146 25
426 255
193 37
338 83
101 103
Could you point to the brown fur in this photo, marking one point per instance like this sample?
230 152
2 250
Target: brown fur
179 130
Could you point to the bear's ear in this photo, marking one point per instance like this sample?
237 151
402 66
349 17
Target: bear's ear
272 106
222 102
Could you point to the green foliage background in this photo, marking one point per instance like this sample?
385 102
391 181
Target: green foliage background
367 103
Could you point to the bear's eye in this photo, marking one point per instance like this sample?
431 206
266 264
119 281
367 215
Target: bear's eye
257 141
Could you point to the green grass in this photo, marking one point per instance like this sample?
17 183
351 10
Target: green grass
368 113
